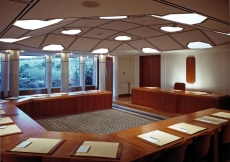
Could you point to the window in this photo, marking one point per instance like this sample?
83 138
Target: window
0 72
89 71
31 72
56 72
74 71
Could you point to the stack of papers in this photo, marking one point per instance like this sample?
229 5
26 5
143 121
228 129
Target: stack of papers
186 128
211 120
222 114
158 137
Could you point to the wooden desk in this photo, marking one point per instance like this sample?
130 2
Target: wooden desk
178 101
71 140
64 104
130 135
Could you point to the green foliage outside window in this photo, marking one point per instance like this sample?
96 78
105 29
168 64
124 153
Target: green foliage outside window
31 72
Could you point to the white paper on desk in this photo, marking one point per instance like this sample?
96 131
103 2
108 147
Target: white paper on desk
182 129
151 139
3 101
3 127
23 144
83 149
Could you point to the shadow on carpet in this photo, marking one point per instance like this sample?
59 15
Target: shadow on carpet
101 122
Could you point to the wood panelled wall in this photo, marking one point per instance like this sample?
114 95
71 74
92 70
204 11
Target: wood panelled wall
150 71
109 74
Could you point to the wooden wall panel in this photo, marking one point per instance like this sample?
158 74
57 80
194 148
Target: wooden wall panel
150 70
48 107
190 70
109 74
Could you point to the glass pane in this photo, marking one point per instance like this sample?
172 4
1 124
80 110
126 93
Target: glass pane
74 71
31 72
89 71
56 72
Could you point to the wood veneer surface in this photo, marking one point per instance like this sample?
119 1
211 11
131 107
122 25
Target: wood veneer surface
181 102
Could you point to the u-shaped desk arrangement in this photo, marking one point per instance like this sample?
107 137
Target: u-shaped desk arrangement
134 143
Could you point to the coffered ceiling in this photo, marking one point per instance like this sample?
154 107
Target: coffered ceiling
96 33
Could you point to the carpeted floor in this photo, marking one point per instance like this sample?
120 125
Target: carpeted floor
102 122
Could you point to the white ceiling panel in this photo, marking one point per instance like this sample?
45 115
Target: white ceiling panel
14 32
144 32
111 45
84 44
125 48
51 28
99 33
83 30
164 43
32 42
119 26
191 36
217 38
8 11
123 34
63 40
139 44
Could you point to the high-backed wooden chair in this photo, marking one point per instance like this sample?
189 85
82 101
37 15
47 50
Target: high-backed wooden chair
226 134
200 146
20 158
174 153
179 86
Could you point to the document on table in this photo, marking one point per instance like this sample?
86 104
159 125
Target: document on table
2 112
98 149
9 129
5 120
211 120
38 145
158 137
186 128
222 114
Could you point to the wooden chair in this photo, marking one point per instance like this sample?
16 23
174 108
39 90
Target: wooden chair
200 147
174 153
20 158
179 86
226 134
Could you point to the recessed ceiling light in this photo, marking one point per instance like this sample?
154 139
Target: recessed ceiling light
11 40
35 24
171 29
190 19
199 45
122 38
71 32
114 17
53 47
101 50
149 50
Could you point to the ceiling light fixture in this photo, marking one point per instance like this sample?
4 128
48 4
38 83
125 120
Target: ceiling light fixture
35 24
149 50
190 19
114 17
198 45
171 29
122 38
101 50
53 47
223 33
11 40
71 32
